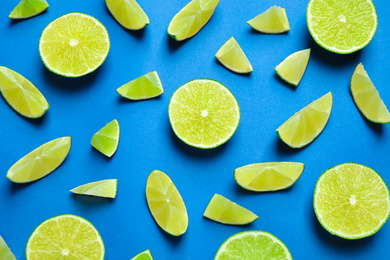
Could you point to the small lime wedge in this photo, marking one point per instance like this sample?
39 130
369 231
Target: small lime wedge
144 87
222 210
104 188
5 252
28 8
106 140
293 67
144 255
304 126
128 13
272 21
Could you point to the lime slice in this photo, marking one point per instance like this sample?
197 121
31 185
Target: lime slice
28 8
21 94
269 176
351 201
233 57
74 44
106 140
128 13
222 210
293 67
253 244
342 26
189 20
40 162
65 237
272 21
5 252
165 204
367 98
144 87
203 113
104 188
304 126
145 255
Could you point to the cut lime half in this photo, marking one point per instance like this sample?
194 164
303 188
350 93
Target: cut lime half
5 252
104 188
293 67
106 140
145 255
28 8
128 13
272 21
144 87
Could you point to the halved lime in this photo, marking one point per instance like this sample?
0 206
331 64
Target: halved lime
28 8
21 94
74 44
304 126
233 57
342 26
106 140
166 204
189 20
144 87
65 237
5 252
293 67
367 98
223 210
203 113
41 161
253 244
128 13
104 188
272 21
351 201
145 255
269 176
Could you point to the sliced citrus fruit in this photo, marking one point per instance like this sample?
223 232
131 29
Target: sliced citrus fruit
272 21
5 252
65 237
342 26
189 20
166 204
351 201
269 176
304 126
144 87
106 140
233 57
104 188
128 13
203 113
28 8
74 44
293 67
144 255
253 244
41 161
367 98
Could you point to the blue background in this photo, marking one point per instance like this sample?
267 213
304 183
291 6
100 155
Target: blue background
80 107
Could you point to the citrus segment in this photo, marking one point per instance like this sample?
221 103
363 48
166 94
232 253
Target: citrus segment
144 87
104 188
106 140
272 21
293 67
145 255
28 8
128 13
5 252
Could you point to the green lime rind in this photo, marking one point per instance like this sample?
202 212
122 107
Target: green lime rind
136 10
5 251
145 87
28 8
272 21
106 140
144 255
104 188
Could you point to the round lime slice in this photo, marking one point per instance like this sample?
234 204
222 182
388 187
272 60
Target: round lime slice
273 21
106 140
145 87
128 13
28 8
104 188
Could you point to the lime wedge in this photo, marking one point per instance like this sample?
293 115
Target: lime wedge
351 201
224 211
253 244
145 255
128 13
144 87
21 94
40 162
104 188
342 26
5 252
28 8
367 98
74 44
304 126
272 21
165 204
189 20
293 67
233 57
269 176
203 113
65 237
106 140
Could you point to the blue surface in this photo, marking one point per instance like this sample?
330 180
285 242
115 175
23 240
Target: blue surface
80 107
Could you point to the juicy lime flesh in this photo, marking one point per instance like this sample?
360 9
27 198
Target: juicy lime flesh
204 113
304 126
28 8
166 204
221 209
351 201
233 57
269 176
367 98
5 252
41 161
274 20
21 94
145 255
293 67
128 13
65 237
74 45
106 140
104 188
189 20
342 26
144 87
